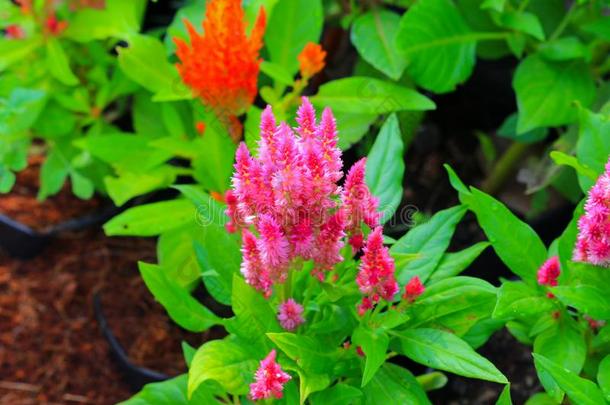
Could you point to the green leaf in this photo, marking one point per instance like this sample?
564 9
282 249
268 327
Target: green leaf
310 383
82 187
213 164
394 385
310 354
519 300
445 351
541 398
588 299
508 129
385 168
151 219
373 34
429 240
578 389
277 72
7 180
593 145
504 398
13 51
21 110
522 21
454 304
252 129
293 23
224 361
438 45
603 376
58 63
547 90
565 346
172 392
599 27
452 264
338 394
561 158
432 381
209 211
366 95
185 310
117 19
128 185
515 242
374 343
566 48
352 127
53 174
176 254
497 5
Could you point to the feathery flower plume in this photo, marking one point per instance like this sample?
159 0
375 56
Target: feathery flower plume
376 273
311 60
413 289
221 65
290 314
14 32
287 200
269 379
549 272
593 242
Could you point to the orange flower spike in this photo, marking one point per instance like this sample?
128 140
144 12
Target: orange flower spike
311 59
221 65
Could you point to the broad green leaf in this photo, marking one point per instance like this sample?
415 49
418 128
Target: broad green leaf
394 385
541 398
438 45
254 317
452 264
13 51
588 299
547 90
515 242
481 331
564 345
497 5
82 187
429 240
310 353
225 361
522 21
277 72
117 19
599 27
593 147
173 392
365 95
508 129
504 398
151 219
373 34
128 185
194 12
566 48
432 381
53 174
561 158
58 63
310 383
385 167
213 165
7 180
293 23
338 394
352 127
21 110
603 376
374 344
176 254
578 389
185 310
209 211
252 129
447 352
519 300
454 304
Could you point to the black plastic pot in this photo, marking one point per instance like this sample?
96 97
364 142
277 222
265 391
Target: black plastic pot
135 376
23 242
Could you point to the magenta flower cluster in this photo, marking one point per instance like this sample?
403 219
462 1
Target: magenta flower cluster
593 242
287 201
269 379
549 272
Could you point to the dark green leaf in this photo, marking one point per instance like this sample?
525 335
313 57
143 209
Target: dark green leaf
452 264
603 376
519 300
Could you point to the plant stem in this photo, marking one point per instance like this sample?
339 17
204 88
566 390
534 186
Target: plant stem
503 169
563 24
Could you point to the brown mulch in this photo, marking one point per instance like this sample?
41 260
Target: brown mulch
22 206
51 348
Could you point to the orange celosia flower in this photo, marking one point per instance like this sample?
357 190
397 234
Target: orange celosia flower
311 59
221 65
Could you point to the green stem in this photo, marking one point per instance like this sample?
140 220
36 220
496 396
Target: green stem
564 23
505 167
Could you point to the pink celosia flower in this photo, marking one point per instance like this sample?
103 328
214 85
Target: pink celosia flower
14 32
549 272
252 268
365 305
273 245
290 314
328 244
269 379
376 274
593 242
413 289
359 203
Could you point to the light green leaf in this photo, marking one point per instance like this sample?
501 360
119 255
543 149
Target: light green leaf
352 127
566 48
117 19
519 300
432 381
293 23
310 354
603 376
452 264
13 51
561 158
53 174
547 90
213 164
394 385
151 219
373 34
438 45
58 63
593 147
82 187
504 398
588 299
445 351
128 185
173 392
374 344
385 168
277 72
522 21
224 361
366 95
338 394
578 389
429 240
185 310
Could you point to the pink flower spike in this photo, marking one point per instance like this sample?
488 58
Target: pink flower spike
306 118
327 135
549 272
290 315
272 244
269 379
593 241
252 268
413 289
360 204
376 273
365 306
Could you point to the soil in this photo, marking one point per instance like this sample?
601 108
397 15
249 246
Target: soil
22 206
51 348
